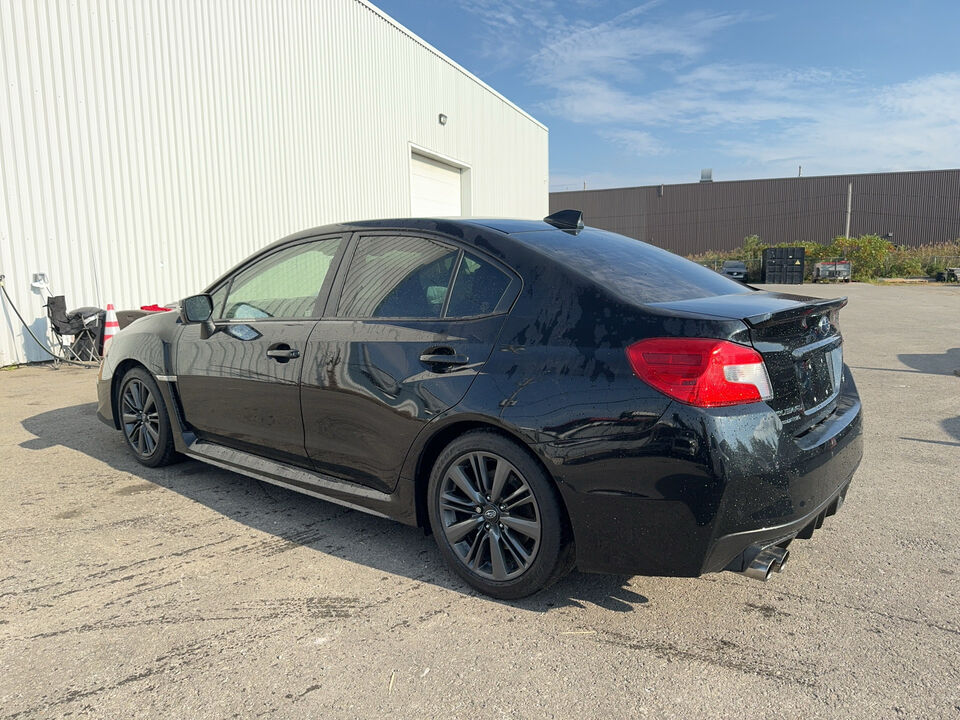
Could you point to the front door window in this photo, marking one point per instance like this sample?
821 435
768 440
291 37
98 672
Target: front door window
284 285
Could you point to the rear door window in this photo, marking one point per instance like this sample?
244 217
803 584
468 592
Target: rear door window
397 277
477 289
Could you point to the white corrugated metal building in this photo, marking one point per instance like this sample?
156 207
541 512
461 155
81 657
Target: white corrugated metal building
146 146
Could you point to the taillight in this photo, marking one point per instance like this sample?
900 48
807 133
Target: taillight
701 371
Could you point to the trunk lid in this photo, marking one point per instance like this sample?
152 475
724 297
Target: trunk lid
799 339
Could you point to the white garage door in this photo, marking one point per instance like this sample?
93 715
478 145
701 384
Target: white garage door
434 188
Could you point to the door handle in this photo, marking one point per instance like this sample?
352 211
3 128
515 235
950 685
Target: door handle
281 352
440 358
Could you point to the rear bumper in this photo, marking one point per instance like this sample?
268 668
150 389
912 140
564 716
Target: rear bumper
705 486
731 552
763 505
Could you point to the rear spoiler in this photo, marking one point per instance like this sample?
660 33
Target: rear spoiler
810 306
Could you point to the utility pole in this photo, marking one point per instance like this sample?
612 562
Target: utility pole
846 232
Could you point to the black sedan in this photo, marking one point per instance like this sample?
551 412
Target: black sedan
537 394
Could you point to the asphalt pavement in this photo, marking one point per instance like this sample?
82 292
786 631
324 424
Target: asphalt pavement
193 592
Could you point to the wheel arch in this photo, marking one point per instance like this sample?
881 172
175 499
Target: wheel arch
119 372
169 394
434 445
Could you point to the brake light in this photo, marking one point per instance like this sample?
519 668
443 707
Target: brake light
701 371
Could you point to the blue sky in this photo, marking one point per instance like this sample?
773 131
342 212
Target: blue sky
647 93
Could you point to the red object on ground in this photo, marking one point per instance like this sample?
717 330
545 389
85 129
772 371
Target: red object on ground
154 308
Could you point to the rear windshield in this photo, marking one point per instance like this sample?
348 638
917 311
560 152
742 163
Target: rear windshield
631 268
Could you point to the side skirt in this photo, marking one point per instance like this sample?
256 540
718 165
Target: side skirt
399 505
324 487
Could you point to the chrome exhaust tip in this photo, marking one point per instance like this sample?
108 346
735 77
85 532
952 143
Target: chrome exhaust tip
768 560
782 556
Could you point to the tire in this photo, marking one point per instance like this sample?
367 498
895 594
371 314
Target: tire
511 545
144 420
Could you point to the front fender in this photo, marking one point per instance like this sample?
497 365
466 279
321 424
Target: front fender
147 342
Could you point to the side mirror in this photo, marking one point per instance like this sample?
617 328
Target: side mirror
198 309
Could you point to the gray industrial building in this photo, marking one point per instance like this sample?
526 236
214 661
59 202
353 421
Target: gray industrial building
912 208
146 147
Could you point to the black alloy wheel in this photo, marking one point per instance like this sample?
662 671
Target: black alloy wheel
490 515
497 517
144 419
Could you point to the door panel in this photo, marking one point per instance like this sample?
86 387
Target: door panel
241 385
393 359
366 393
233 392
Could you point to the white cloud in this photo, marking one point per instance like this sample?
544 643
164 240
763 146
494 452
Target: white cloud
624 49
906 126
636 142
933 97
512 15
640 77
704 97
615 48
600 102
511 25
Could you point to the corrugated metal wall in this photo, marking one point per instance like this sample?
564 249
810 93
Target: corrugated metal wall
917 207
147 145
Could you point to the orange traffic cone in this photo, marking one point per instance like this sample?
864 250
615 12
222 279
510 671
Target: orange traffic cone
110 327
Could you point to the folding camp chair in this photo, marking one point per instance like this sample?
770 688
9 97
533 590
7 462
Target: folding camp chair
76 332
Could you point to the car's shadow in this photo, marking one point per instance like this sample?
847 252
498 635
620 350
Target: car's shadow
952 426
946 363
933 363
299 520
